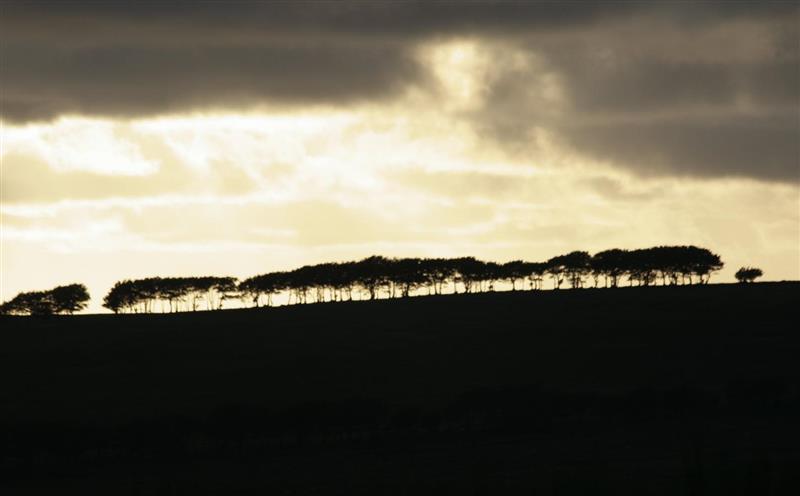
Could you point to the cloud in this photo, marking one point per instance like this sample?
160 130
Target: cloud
44 81
637 85
761 147
79 145
123 59
655 98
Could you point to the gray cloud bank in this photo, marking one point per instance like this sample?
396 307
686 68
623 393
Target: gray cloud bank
705 89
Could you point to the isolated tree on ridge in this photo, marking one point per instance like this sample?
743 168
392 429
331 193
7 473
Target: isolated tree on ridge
748 274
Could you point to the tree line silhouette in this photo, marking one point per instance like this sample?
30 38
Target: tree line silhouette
59 300
376 276
172 293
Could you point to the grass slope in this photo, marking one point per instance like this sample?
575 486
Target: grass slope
427 356
423 350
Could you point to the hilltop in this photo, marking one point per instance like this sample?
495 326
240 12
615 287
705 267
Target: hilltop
443 370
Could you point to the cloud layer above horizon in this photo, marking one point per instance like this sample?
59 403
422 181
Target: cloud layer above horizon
177 136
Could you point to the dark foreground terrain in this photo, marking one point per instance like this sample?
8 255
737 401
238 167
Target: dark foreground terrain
658 391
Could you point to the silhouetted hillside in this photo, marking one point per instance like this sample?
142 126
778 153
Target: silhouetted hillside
672 390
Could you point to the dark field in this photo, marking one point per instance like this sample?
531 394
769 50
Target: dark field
663 391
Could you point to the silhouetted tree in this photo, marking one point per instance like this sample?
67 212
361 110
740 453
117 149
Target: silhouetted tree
576 267
514 271
30 303
640 267
117 299
438 272
611 264
535 272
61 299
704 263
470 272
343 280
573 267
371 274
556 269
748 274
409 274
70 298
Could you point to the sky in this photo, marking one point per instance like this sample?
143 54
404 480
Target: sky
237 138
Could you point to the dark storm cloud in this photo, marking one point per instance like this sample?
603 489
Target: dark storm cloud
402 18
144 58
661 100
139 58
136 58
188 20
665 117
44 81
603 75
761 147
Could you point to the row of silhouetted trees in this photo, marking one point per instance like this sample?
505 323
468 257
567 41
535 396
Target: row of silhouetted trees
62 299
377 276
170 294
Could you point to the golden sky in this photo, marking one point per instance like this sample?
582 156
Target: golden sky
453 142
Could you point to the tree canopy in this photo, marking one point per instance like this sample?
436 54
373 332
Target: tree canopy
172 293
748 274
377 276
59 300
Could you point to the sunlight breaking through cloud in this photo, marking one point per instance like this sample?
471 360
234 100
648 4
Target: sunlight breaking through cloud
77 144
483 161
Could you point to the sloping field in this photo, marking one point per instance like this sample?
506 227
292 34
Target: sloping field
427 373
